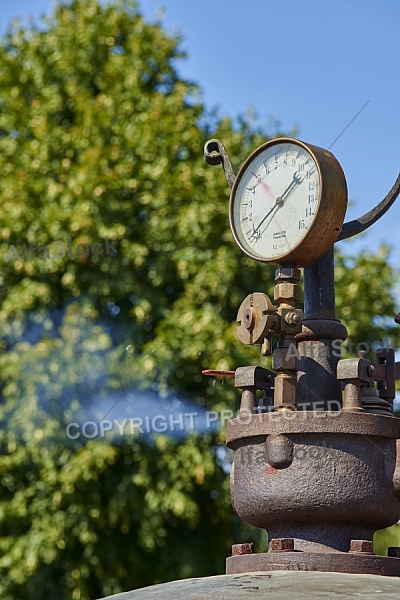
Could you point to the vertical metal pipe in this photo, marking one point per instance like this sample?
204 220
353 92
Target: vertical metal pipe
319 288
317 383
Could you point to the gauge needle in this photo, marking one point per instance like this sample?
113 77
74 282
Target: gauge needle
280 200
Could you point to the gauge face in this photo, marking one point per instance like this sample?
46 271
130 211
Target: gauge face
275 201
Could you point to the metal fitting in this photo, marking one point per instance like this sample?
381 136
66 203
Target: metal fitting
257 377
285 273
353 372
292 318
251 379
282 545
285 358
257 316
361 546
287 291
353 368
239 549
285 390
248 318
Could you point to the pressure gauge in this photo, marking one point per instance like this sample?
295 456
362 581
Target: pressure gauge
288 203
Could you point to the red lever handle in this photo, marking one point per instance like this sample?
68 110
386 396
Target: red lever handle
215 373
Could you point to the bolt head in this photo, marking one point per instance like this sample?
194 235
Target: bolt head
292 317
239 549
282 545
361 546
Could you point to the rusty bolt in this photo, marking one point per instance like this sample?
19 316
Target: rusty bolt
239 549
361 546
292 318
394 551
282 545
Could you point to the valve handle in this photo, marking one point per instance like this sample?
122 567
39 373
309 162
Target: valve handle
257 316
218 373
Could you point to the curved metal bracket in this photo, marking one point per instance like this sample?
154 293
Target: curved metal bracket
353 227
214 154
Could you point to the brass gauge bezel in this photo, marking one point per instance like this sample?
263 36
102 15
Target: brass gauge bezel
330 212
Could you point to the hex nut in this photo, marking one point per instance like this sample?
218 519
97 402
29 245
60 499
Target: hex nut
284 273
287 291
285 358
239 549
282 545
291 320
293 317
361 546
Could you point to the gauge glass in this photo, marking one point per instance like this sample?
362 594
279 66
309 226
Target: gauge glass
276 201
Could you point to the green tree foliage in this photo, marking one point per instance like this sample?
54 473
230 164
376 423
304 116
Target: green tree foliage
102 140
365 304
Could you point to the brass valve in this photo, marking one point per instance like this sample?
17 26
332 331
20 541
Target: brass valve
257 317
259 320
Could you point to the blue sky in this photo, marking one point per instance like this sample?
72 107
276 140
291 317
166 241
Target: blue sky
310 64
